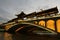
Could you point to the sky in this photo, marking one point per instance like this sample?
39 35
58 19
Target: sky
10 8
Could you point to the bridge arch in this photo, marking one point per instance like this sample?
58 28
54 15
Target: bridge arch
58 25
42 23
13 28
50 24
28 27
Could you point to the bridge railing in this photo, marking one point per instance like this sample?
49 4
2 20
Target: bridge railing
43 17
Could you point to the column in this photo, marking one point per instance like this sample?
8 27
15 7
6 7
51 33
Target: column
55 26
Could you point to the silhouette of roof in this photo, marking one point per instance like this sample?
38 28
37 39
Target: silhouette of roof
21 14
33 13
54 10
48 11
12 20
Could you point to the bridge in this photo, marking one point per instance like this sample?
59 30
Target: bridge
50 23
29 27
36 22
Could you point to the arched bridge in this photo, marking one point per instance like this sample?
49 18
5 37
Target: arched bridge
50 23
30 28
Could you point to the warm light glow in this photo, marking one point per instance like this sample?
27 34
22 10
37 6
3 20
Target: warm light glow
35 22
7 27
42 23
7 36
58 25
50 24
19 29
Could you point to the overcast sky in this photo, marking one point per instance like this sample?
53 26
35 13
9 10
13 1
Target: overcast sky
8 8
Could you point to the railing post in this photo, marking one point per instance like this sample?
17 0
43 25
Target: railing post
55 26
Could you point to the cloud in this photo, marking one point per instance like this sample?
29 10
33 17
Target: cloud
11 7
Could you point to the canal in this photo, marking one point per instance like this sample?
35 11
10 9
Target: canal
19 36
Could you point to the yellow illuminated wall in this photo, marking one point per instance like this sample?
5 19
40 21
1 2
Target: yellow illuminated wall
50 24
58 25
42 23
